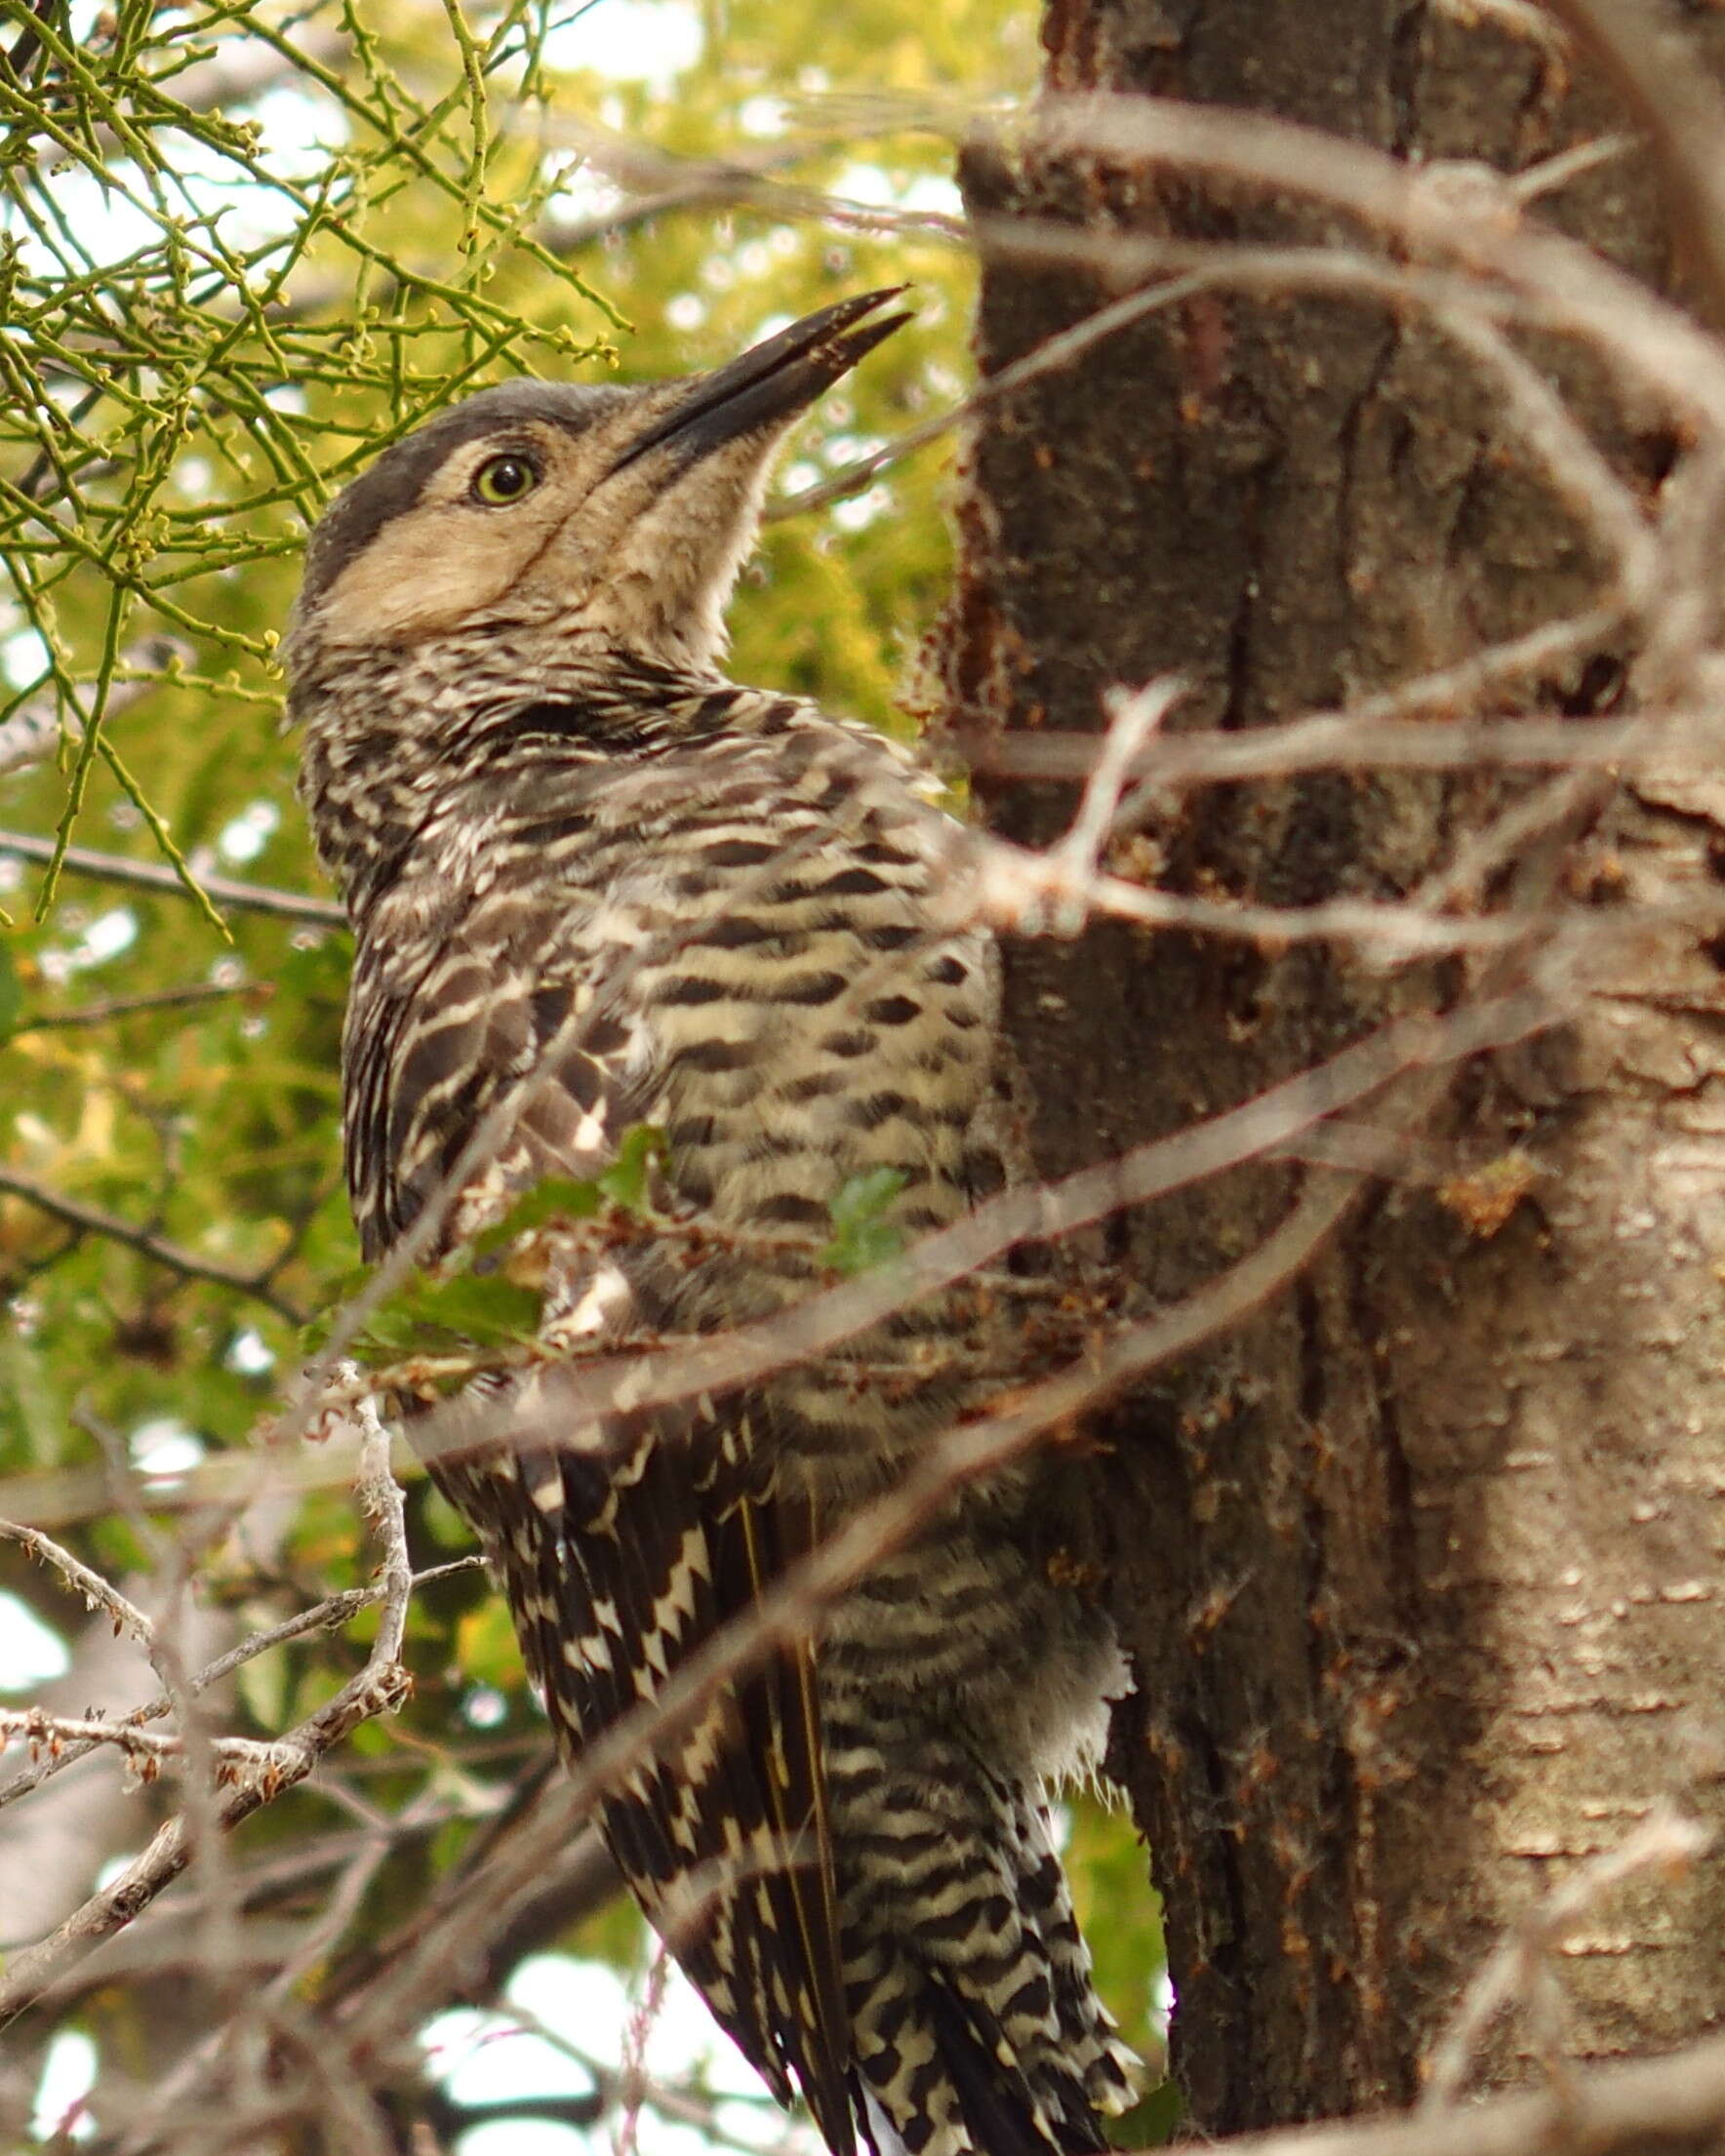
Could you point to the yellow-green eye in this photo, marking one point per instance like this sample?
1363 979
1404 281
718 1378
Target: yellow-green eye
504 479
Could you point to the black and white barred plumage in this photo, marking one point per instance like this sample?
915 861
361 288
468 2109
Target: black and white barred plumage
592 880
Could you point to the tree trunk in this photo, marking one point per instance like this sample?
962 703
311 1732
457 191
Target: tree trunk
1418 1568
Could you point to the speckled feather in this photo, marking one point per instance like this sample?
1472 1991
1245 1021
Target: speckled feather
596 880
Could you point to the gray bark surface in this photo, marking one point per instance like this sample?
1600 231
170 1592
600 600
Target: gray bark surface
1419 1569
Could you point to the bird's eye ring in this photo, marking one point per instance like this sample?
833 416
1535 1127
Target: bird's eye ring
500 480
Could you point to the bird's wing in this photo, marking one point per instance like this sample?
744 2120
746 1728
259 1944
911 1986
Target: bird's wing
630 1546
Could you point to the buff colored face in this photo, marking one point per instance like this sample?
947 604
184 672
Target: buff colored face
568 509
532 518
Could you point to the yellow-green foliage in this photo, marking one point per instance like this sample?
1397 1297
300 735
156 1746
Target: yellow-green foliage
216 303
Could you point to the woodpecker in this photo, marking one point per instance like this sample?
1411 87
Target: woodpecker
595 884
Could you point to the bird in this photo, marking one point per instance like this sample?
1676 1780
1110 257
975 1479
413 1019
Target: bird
598 888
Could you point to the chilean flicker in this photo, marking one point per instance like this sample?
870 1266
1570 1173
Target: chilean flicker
595 886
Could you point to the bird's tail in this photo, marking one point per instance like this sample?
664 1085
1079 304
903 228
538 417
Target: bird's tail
975 2026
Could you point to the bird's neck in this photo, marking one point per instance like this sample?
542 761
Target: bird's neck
392 734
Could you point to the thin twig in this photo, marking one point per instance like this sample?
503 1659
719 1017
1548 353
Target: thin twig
327 1616
128 1007
147 876
1332 741
1665 1841
377 1689
1673 94
90 1220
97 1593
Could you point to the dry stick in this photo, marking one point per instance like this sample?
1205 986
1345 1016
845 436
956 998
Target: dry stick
1679 652
202 1762
463 1913
1135 719
1117 253
1663 80
1676 622
1335 741
1673 2103
111 1007
329 1615
608 2093
1564 284
1342 919
376 1689
53 1497
1664 1840
349 2120
1575 466
97 1593
590 1389
1576 469
1053 899
1054 892
1552 175
1180 270
278 1996
90 1220
145 875
726 183
37 1727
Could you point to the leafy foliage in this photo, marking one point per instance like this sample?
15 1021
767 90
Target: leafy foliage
861 1233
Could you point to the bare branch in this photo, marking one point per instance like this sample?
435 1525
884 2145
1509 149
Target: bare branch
1665 1842
90 1220
1652 69
377 1689
96 1592
1568 285
146 875
327 1616
111 1007
1675 2103
1345 740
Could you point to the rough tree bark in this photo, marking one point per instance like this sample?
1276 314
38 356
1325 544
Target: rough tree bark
1419 1569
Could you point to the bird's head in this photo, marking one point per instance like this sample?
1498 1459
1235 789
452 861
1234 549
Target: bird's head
571 509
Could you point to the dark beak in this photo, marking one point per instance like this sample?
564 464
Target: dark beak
772 382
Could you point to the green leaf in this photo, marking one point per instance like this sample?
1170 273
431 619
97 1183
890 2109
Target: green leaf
862 1234
479 1310
427 1315
627 1181
556 1198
